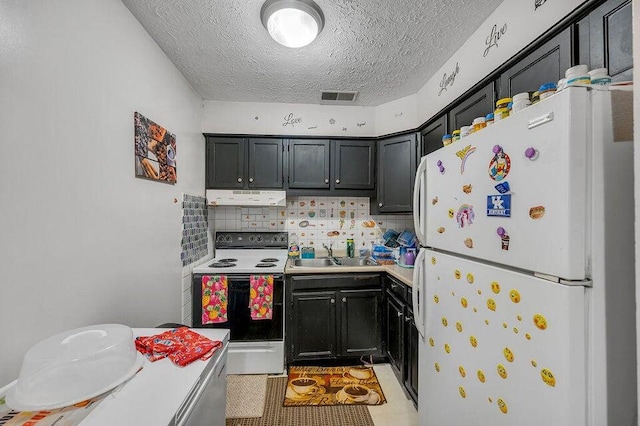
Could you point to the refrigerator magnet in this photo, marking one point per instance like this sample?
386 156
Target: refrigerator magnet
499 205
491 304
465 215
548 377
503 187
502 406
467 188
540 321
481 376
464 154
514 295
495 287
536 212
500 164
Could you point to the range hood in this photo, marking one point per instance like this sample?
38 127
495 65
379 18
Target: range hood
242 197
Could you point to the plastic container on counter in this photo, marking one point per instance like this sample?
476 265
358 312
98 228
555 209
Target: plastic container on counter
547 90
577 75
600 76
479 123
500 113
521 101
465 131
308 253
455 135
503 103
446 139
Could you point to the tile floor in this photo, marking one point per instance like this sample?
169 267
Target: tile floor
399 409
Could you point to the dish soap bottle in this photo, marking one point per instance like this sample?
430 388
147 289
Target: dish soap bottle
294 248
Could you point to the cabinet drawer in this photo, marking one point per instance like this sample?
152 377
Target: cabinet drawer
334 281
398 288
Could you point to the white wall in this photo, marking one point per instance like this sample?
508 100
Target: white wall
83 241
636 154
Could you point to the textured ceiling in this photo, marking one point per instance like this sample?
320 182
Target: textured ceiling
384 49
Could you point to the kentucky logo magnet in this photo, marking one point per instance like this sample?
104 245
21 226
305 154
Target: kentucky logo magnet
500 164
499 205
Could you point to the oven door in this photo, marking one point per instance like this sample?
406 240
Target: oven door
239 322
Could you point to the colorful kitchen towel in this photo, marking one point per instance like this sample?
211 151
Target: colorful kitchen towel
181 345
261 297
214 299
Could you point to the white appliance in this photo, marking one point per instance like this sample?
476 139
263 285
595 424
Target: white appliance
524 289
165 394
245 197
256 346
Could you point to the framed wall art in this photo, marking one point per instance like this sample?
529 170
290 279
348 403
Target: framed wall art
155 151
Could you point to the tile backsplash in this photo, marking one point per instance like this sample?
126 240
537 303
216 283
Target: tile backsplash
194 229
314 220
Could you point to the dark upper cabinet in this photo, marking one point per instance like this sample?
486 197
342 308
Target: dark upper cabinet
397 162
265 163
545 64
478 104
353 164
432 135
238 163
309 166
225 163
605 39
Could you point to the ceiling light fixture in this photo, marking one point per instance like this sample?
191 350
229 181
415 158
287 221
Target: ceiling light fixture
292 23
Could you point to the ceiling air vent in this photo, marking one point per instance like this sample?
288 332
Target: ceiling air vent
331 96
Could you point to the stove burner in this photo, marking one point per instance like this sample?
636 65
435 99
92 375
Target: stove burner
229 260
222 265
265 265
269 260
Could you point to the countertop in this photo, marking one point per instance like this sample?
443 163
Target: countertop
403 274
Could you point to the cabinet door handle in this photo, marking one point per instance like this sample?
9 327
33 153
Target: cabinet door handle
250 180
333 300
379 204
337 180
399 314
326 181
393 286
344 300
239 179
407 319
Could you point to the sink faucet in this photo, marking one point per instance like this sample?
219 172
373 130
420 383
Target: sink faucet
329 249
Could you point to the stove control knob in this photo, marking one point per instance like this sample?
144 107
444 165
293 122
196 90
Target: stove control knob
259 238
228 238
220 238
252 238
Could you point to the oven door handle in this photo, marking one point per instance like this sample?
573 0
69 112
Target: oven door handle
233 277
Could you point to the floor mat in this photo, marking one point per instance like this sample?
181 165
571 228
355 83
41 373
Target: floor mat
276 414
246 395
320 386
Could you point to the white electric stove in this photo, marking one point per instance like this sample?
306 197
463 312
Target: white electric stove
256 346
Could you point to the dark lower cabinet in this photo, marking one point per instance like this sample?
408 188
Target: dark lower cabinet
401 335
394 331
411 358
333 316
315 332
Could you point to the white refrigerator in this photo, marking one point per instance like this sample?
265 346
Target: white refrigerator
524 286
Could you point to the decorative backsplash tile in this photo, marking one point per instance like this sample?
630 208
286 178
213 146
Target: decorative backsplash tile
315 221
195 229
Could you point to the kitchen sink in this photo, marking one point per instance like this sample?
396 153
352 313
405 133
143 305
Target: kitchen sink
333 262
354 261
314 263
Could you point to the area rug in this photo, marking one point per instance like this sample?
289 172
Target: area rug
275 414
319 386
246 394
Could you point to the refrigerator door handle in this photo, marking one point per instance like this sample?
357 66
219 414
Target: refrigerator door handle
418 293
418 214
